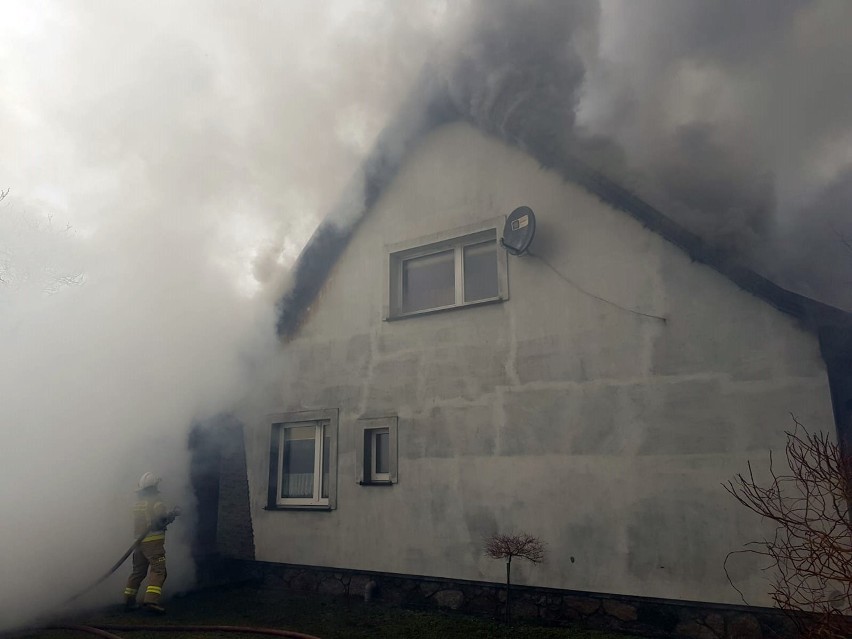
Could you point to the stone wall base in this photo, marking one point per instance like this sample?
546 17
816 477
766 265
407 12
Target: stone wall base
643 616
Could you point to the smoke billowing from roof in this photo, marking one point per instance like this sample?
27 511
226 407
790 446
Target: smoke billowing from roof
705 110
733 118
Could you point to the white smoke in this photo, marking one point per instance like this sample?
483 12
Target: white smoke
166 164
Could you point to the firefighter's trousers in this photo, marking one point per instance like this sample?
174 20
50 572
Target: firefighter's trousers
149 558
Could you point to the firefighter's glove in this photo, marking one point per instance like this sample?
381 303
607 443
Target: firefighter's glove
170 517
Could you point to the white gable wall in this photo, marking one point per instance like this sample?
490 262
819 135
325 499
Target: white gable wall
604 433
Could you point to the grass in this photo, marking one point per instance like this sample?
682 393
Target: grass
324 616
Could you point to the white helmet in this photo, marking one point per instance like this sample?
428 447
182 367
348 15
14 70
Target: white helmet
148 480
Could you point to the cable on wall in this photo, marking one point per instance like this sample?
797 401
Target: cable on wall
568 280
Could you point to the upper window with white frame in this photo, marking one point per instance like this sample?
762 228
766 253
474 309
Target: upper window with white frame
459 269
303 456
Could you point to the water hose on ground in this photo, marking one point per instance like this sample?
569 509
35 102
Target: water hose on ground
92 631
102 631
243 629
115 567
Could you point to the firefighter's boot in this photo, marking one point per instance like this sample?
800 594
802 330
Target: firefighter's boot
155 609
130 602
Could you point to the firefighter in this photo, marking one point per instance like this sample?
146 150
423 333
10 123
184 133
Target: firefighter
150 518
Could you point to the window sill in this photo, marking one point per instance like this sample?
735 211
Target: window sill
443 309
376 483
321 507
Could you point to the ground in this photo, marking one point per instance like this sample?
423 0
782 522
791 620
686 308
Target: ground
323 616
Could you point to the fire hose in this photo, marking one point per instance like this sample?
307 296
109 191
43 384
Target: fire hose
175 512
103 630
89 629
115 567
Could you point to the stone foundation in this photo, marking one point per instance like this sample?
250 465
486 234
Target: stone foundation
637 615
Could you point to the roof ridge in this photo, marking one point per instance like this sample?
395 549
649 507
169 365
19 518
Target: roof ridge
419 117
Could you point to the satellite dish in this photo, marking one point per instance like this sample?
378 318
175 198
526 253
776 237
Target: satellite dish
519 230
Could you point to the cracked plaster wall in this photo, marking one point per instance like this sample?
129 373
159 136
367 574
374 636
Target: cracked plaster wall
604 433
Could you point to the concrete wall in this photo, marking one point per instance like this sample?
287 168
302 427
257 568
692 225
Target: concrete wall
605 433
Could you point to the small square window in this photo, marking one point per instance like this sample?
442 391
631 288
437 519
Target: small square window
376 448
446 271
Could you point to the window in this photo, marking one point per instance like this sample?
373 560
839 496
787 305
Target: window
428 281
379 452
376 450
302 465
456 269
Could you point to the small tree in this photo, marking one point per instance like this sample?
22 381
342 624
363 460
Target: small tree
810 552
506 547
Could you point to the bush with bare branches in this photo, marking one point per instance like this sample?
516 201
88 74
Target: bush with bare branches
810 552
522 546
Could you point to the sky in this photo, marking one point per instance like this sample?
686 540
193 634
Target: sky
166 162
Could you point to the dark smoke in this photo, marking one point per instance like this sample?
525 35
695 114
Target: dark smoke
705 110
520 74
721 114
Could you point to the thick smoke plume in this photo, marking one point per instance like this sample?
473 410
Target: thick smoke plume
733 118
166 163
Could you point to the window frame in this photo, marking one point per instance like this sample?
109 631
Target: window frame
456 239
365 431
326 424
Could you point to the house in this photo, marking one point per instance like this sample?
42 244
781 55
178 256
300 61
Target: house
596 392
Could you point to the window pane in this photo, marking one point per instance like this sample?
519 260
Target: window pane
382 448
326 448
428 281
297 474
480 271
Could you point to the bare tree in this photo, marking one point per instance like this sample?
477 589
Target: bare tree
810 552
507 547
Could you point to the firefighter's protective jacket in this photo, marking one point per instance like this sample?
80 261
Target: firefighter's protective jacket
151 514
